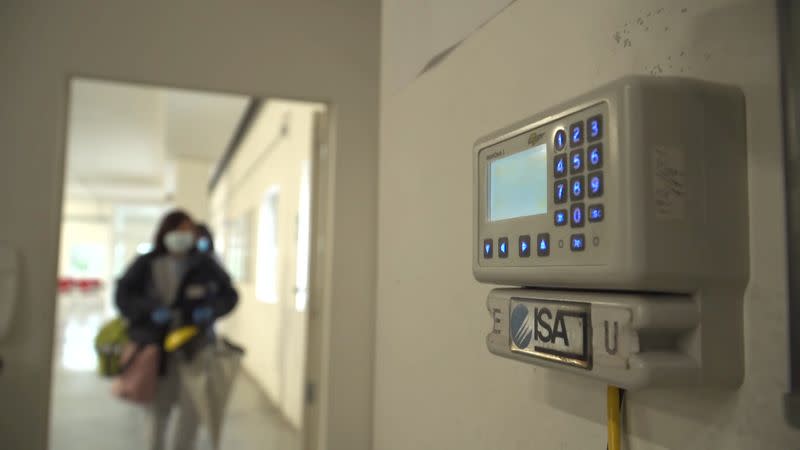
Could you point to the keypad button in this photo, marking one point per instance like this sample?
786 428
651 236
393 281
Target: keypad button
596 213
502 247
576 134
560 140
488 248
560 166
576 161
576 215
576 188
577 242
543 244
560 192
525 246
560 218
594 128
594 157
595 184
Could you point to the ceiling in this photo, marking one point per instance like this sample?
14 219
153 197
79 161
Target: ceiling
123 139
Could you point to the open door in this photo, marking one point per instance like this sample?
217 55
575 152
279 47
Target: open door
318 282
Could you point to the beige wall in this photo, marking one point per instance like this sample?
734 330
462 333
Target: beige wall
437 387
273 333
312 49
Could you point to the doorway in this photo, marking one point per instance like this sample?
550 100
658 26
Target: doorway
135 152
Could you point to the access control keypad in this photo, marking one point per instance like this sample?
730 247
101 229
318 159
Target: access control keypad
582 187
578 186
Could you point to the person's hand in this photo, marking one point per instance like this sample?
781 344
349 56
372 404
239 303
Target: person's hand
161 315
202 315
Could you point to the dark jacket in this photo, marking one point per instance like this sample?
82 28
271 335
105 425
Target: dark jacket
204 283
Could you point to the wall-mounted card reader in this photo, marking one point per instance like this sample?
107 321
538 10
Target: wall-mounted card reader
624 211
638 185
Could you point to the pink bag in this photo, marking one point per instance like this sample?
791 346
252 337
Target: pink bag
139 379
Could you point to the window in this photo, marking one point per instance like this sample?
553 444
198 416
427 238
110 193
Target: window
267 259
303 230
237 253
87 259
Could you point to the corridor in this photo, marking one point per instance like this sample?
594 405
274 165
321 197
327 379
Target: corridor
86 416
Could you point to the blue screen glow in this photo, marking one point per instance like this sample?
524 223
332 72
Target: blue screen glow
518 184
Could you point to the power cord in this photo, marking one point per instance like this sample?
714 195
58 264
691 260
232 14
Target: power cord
614 404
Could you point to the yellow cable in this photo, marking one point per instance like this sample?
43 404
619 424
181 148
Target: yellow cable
612 410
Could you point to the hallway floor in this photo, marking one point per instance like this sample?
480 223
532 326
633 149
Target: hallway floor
86 416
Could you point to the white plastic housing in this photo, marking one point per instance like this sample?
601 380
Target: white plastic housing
674 194
632 340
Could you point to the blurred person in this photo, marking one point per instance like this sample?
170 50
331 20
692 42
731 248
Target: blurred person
174 285
205 240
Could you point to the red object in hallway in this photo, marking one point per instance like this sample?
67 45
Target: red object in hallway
65 284
89 284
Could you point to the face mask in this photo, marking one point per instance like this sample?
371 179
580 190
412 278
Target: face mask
179 241
203 244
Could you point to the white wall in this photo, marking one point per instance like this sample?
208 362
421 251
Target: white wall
191 186
273 333
315 49
437 387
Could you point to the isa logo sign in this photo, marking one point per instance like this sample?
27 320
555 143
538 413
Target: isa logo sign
553 330
521 326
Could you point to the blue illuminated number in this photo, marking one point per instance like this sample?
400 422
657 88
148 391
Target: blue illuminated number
560 166
576 188
560 191
595 157
576 134
560 140
576 215
595 128
595 184
576 162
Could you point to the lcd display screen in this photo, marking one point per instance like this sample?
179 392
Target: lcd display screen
518 184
